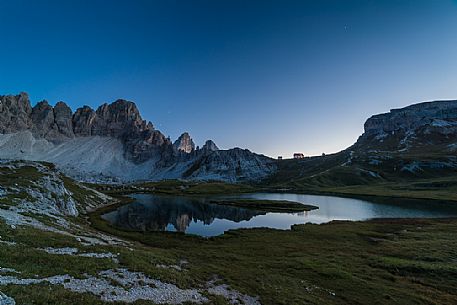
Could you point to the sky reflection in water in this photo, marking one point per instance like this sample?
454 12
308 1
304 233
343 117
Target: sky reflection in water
197 216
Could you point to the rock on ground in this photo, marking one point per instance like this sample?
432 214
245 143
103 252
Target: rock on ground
5 300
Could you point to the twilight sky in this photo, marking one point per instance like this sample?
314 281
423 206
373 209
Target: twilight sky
276 77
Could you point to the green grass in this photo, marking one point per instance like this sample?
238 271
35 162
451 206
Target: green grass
375 262
219 188
419 189
19 177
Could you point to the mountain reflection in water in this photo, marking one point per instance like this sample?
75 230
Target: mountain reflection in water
195 215
156 213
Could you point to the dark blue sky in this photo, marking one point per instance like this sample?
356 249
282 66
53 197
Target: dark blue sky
272 76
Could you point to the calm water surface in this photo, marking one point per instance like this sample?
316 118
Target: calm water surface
197 216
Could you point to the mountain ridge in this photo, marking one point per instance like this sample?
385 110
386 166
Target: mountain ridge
136 151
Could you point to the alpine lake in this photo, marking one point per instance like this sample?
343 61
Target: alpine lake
213 215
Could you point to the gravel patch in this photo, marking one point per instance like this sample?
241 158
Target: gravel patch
232 296
8 243
14 219
61 251
178 267
74 251
118 285
175 267
7 270
122 285
109 255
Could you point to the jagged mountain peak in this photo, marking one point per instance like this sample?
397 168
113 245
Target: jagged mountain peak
120 106
15 111
62 104
184 144
210 146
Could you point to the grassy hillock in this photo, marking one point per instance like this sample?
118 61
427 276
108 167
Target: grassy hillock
267 205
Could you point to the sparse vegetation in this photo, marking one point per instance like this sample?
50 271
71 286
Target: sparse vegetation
267 205
374 262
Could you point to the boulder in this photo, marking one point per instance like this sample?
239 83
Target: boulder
5 300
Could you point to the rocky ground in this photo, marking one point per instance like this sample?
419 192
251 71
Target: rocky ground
45 240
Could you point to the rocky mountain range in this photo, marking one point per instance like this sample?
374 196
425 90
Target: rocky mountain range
113 142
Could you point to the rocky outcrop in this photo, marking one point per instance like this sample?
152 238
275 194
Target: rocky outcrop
42 119
413 117
230 165
6 300
15 112
184 144
63 117
83 120
210 146
412 127
123 121
119 120
146 145
53 124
